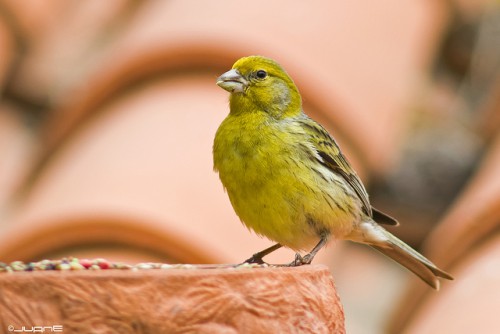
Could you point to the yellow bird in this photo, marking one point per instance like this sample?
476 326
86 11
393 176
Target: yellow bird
287 178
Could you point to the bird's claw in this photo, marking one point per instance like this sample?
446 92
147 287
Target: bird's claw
300 260
255 259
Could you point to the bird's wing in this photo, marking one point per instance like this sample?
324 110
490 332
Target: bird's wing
332 158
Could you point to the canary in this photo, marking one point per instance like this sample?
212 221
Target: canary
286 177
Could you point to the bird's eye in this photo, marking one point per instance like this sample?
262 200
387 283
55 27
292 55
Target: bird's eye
261 74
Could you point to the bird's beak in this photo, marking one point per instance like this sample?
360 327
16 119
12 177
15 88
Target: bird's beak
232 81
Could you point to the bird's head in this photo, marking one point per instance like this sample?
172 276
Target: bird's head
257 83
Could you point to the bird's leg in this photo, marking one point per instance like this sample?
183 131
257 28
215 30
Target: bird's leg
307 259
257 257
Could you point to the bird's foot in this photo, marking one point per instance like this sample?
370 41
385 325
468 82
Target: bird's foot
301 260
257 258
254 259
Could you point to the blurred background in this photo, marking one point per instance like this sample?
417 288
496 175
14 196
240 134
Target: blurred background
108 111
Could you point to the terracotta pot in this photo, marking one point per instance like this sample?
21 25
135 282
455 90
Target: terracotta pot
270 300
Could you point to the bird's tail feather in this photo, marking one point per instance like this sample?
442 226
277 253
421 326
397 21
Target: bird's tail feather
411 259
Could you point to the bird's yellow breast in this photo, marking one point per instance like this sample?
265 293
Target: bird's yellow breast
271 185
